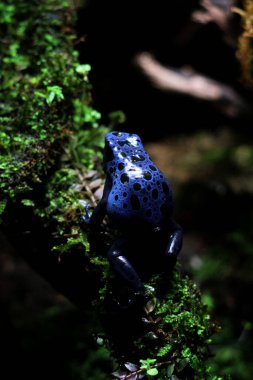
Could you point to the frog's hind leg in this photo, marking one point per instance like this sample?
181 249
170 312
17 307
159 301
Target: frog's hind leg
123 267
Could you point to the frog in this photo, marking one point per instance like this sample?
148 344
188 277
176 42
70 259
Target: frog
138 201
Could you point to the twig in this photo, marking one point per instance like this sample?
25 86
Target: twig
140 371
219 12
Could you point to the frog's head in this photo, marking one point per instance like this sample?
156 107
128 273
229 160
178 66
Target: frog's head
120 146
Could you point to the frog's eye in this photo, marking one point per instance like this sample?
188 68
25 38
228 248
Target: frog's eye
117 134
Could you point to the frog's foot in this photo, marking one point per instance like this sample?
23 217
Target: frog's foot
134 303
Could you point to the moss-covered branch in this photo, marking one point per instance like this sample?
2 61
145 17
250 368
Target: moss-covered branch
46 113
45 94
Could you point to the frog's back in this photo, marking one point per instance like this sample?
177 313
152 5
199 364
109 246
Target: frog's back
139 192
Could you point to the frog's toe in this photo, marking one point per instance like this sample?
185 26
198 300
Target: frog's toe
88 211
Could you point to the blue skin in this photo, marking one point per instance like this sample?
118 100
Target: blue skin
137 199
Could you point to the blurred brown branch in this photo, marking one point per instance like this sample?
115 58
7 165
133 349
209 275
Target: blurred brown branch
187 82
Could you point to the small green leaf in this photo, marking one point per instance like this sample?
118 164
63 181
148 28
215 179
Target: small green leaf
164 350
100 341
116 118
2 206
54 92
28 202
39 94
170 369
83 69
152 372
145 364
50 97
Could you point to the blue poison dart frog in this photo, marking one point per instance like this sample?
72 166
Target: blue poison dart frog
137 200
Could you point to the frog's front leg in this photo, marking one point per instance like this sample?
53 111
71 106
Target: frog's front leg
123 267
175 240
95 218
98 214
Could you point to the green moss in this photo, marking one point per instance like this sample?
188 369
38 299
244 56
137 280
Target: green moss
44 91
175 335
46 117
183 328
